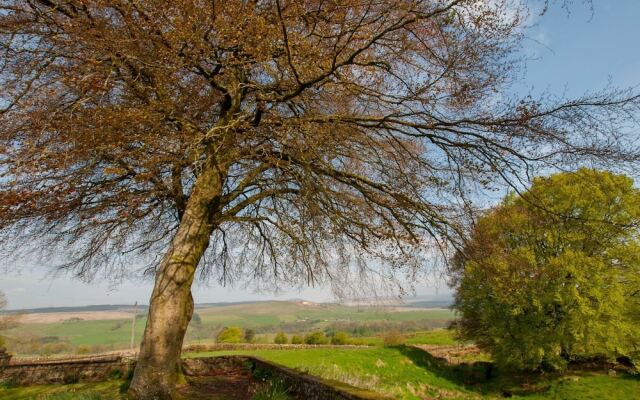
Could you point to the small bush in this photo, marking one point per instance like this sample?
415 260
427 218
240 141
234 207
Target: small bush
116 326
99 348
115 373
316 338
249 336
262 339
232 334
8 384
261 374
295 339
276 390
83 349
281 338
124 387
49 339
71 378
56 348
340 338
393 338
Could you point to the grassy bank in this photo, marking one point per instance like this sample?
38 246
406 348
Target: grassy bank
411 374
82 391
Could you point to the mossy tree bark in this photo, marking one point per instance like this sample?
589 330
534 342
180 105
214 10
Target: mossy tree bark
171 306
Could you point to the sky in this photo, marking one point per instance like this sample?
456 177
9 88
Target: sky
570 53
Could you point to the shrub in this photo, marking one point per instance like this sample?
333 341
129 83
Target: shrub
83 349
316 338
296 339
393 338
100 348
281 338
56 348
275 390
249 336
71 378
49 339
340 338
232 334
115 373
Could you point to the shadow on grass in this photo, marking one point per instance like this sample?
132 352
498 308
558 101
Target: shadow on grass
482 377
477 376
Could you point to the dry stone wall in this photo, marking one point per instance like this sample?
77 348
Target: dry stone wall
299 385
198 348
95 369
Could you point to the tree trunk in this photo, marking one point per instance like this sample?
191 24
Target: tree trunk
171 306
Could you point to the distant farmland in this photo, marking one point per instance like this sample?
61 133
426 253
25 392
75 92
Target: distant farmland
109 327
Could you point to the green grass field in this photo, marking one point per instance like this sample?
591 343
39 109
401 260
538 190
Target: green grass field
81 391
407 373
102 332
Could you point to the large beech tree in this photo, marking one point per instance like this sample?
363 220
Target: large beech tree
274 140
553 275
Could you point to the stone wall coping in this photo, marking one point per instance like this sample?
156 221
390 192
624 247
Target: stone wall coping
194 347
99 368
23 362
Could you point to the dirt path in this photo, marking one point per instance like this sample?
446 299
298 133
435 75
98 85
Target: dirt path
231 385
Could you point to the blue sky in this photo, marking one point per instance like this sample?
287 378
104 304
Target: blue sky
570 54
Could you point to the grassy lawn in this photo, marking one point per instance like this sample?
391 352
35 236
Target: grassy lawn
82 391
380 369
441 337
406 373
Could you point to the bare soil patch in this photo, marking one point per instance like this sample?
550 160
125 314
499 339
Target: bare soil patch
238 385
48 318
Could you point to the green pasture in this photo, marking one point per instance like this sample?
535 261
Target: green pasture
273 313
98 332
116 334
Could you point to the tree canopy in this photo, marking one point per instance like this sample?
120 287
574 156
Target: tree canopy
232 334
554 273
273 141
334 128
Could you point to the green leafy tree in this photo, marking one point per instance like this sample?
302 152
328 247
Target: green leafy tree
393 338
296 339
340 338
232 334
249 335
281 338
553 274
316 338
